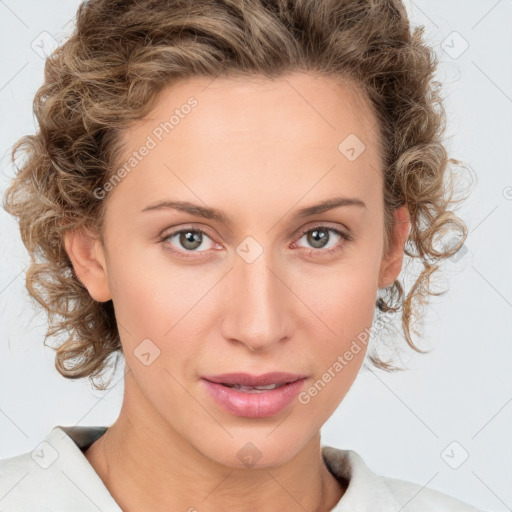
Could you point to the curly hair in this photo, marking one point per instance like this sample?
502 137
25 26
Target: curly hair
122 53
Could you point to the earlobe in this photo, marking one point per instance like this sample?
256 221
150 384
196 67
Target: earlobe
391 265
89 263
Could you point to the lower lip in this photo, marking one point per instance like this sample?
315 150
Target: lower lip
254 405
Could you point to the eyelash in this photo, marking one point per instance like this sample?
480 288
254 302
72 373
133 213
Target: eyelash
312 252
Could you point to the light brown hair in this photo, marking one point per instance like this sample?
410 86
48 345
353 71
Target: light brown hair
124 52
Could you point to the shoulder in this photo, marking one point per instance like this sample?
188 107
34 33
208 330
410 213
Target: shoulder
367 490
15 469
55 476
419 498
23 481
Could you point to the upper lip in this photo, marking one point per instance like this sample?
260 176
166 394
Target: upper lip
246 379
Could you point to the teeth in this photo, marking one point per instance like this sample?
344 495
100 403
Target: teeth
268 386
254 389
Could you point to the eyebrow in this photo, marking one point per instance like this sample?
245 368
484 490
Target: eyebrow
213 214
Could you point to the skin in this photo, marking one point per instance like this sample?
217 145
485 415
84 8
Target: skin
258 150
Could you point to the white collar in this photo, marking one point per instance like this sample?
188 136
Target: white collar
56 474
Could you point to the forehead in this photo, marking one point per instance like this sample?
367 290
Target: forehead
253 135
321 108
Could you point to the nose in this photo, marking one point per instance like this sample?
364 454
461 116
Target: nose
258 306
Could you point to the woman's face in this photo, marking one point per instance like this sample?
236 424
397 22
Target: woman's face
264 288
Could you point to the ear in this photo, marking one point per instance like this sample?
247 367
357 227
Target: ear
391 264
87 255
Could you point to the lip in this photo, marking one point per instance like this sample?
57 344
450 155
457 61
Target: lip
246 379
254 405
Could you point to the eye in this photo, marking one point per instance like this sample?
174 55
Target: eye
188 240
321 241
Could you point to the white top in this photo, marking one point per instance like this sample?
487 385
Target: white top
57 477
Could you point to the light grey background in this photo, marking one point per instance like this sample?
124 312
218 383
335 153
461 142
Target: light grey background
401 424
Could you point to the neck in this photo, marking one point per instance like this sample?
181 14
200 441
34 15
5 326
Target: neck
148 466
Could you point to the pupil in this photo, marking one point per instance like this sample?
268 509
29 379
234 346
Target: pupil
318 238
190 239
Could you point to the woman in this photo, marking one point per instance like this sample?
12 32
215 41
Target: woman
223 191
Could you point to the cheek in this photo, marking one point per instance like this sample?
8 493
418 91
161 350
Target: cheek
340 334
344 304
150 294
158 301
342 297
348 311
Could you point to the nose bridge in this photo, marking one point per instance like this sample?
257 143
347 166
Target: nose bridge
257 313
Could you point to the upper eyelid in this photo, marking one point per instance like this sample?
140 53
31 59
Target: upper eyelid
319 225
311 225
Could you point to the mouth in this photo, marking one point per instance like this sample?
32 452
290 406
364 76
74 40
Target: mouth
254 396
246 381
